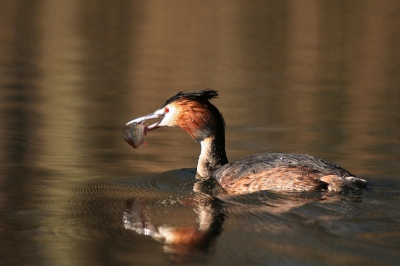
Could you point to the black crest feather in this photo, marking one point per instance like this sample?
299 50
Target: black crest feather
195 95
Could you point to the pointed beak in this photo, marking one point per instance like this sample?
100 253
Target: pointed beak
142 119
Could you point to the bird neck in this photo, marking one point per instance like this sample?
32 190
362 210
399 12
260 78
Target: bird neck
212 155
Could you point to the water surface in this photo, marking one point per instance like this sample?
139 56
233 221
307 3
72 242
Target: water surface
312 77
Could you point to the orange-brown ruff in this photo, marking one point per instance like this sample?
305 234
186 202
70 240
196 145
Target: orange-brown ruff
193 112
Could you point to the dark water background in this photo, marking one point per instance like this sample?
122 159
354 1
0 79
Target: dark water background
315 77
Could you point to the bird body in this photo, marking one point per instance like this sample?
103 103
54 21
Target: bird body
193 112
283 172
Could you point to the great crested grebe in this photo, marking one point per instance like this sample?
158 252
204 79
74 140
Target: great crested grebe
193 112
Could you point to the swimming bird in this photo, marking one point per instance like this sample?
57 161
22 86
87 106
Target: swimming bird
194 113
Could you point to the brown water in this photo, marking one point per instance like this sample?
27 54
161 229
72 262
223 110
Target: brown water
315 77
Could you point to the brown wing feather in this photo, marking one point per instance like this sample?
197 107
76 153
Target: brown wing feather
278 179
284 172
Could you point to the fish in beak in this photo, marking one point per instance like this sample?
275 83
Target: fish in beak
136 130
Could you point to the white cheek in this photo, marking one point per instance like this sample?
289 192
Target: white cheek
169 118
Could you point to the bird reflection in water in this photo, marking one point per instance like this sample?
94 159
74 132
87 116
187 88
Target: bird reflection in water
180 241
188 224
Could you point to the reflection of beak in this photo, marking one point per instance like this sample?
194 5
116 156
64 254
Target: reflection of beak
148 117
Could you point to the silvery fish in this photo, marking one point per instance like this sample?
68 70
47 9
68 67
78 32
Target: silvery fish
134 135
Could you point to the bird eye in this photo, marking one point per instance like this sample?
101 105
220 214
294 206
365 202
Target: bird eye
166 109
